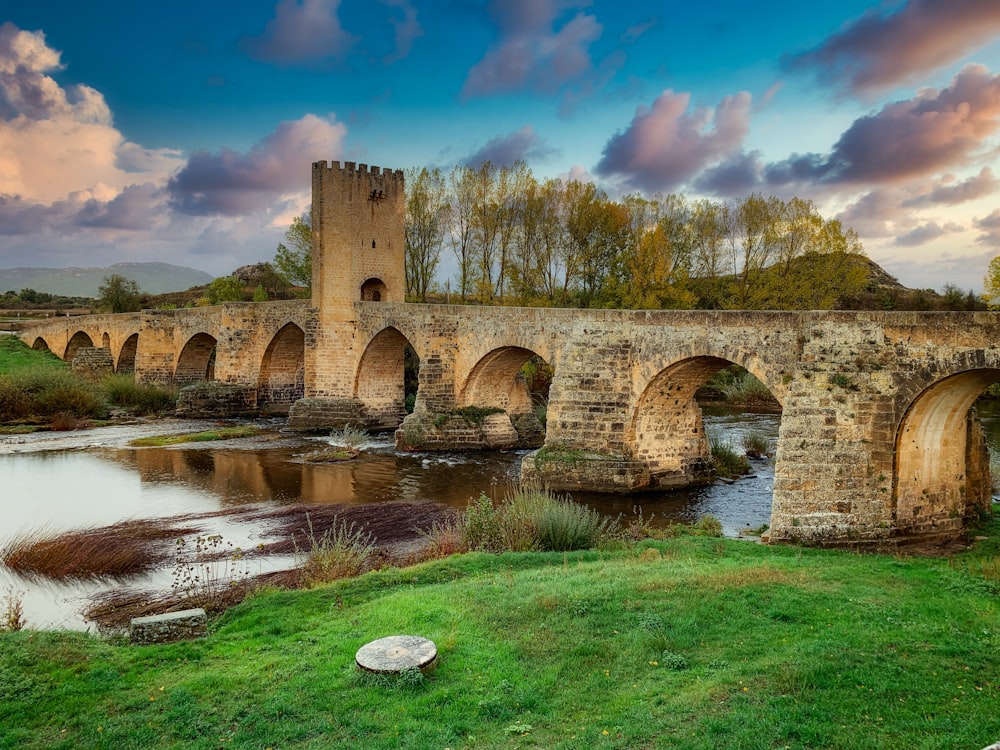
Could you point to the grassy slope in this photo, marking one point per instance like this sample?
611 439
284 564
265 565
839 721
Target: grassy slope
783 648
14 355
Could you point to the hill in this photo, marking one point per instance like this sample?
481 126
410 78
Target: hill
152 278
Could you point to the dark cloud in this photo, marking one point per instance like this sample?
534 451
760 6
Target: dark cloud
504 150
302 31
935 130
925 233
738 175
232 183
990 226
666 145
950 193
531 54
882 49
136 208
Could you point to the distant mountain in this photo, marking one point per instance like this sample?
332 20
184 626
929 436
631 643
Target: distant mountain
152 278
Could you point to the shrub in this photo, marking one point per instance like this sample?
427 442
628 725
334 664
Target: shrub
707 525
12 615
350 436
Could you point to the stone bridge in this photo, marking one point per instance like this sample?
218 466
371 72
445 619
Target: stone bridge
878 441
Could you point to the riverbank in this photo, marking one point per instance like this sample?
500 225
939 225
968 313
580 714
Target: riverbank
688 642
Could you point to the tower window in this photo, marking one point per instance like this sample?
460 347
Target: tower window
373 244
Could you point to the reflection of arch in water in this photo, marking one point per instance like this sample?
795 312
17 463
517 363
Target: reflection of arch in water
667 432
380 383
940 475
126 357
78 341
282 370
196 362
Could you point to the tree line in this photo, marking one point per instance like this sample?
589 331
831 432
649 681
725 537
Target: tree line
520 240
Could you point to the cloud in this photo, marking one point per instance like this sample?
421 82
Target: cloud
302 31
136 208
880 50
530 53
947 192
406 30
56 141
231 183
504 150
738 175
927 232
666 145
990 226
935 130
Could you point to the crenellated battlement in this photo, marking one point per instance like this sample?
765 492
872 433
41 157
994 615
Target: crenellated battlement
355 168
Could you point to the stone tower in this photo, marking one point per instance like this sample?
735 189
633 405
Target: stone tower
358 238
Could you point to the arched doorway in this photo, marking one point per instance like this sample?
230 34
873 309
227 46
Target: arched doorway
282 370
374 290
196 362
380 383
941 468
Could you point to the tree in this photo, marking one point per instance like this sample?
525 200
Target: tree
224 289
117 294
294 260
991 285
427 216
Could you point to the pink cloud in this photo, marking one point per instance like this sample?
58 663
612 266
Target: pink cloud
531 54
934 131
231 183
880 50
990 226
950 193
302 31
667 144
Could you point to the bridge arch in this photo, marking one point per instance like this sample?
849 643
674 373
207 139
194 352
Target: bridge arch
380 381
126 356
667 431
106 341
282 369
77 341
196 362
940 474
495 381
41 345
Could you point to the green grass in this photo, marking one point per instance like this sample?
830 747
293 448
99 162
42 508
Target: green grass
691 642
16 355
223 433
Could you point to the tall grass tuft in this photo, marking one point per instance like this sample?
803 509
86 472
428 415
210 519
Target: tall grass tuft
728 463
345 550
756 444
40 393
530 519
121 390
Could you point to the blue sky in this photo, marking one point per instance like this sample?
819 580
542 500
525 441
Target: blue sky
183 132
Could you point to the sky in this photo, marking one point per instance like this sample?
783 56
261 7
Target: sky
183 132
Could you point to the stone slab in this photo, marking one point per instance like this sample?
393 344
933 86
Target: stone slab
397 653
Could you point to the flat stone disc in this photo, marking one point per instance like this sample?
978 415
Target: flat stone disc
397 653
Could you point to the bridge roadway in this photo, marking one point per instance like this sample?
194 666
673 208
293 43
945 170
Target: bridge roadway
878 440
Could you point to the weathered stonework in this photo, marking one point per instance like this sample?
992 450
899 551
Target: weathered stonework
875 446
93 362
169 627
216 400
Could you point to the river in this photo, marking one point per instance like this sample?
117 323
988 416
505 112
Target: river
63 481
